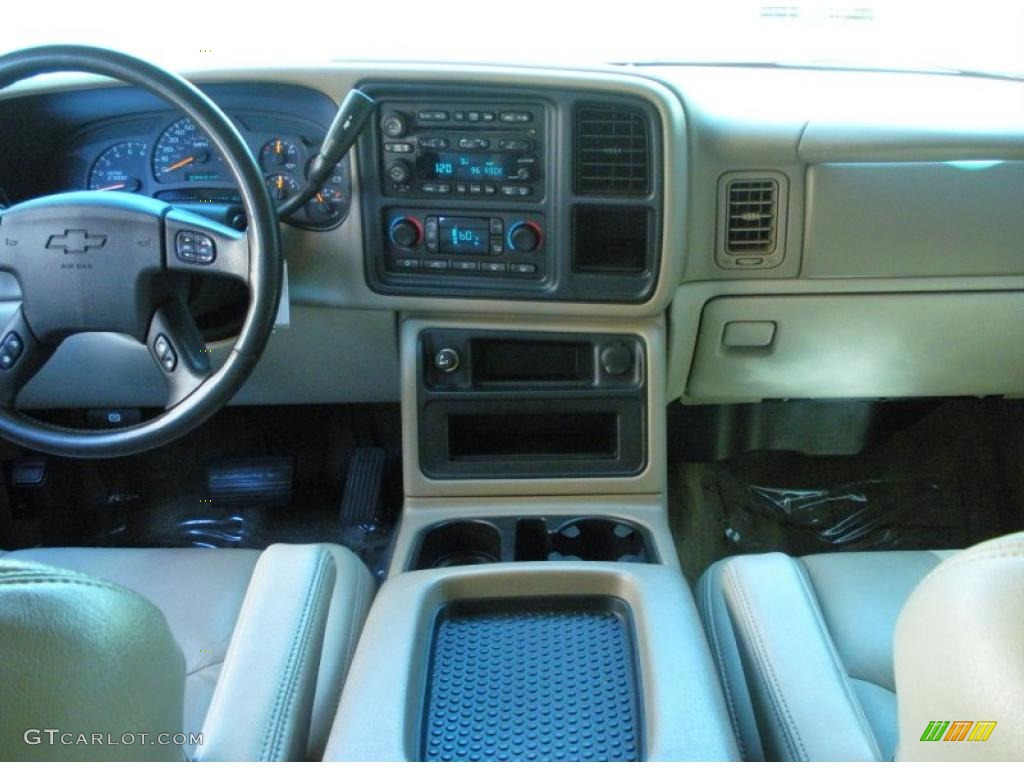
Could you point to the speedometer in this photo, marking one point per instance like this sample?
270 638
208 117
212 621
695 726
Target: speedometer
119 168
183 153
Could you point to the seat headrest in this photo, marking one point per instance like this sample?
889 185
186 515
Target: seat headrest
86 668
959 658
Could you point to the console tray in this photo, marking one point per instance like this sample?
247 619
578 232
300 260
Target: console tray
533 679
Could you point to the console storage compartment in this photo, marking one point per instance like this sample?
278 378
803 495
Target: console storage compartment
550 678
501 404
533 661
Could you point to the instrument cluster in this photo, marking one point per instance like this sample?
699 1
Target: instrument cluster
176 162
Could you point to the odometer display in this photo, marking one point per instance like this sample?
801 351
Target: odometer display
182 152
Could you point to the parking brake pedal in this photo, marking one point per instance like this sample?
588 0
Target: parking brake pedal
263 482
28 471
361 502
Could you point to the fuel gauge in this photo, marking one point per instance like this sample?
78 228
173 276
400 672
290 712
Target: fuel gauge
327 206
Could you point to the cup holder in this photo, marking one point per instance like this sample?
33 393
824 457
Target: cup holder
462 542
595 538
533 539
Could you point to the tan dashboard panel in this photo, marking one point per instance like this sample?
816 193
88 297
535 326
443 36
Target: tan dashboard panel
914 219
859 346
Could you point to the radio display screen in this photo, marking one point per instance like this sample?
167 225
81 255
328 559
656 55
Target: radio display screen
463 166
463 235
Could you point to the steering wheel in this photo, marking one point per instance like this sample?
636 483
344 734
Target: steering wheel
118 262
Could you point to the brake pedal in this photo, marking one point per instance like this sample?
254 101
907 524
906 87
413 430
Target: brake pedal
28 471
361 503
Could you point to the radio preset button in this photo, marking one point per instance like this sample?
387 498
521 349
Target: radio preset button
473 117
490 189
461 189
433 142
459 115
487 117
475 189
516 117
400 147
474 143
510 190
432 115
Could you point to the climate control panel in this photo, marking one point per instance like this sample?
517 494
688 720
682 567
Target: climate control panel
468 244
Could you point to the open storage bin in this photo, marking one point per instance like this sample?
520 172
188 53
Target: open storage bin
533 679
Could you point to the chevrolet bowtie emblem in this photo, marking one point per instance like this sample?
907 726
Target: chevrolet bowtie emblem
76 241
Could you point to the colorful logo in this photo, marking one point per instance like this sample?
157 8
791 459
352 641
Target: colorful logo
958 730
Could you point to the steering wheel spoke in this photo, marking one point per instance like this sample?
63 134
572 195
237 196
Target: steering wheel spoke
21 357
177 347
199 245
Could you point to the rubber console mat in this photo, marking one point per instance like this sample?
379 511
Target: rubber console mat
548 680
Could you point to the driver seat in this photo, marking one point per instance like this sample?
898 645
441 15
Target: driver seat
248 648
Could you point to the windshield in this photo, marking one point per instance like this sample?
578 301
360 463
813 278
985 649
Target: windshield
980 36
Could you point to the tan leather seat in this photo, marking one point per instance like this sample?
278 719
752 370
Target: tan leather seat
806 649
257 633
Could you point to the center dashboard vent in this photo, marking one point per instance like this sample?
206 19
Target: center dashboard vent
612 151
752 213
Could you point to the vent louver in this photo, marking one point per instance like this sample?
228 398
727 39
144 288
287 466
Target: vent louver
612 151
752 208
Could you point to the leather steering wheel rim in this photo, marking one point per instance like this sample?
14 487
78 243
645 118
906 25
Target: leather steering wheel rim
263 240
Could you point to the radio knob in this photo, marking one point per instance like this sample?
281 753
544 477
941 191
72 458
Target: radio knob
393 125
404 232
523 237
447 360
399 171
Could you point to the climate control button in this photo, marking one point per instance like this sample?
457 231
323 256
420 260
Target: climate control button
524 237
405 232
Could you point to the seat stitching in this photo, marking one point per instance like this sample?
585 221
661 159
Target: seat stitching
289 679
794 742
805 582
707 608
335 695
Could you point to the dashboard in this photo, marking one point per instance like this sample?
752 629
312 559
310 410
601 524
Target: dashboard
777 224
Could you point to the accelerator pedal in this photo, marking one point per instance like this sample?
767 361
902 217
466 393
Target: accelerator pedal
361 503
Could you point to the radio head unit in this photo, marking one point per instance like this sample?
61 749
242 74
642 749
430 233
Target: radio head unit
456 149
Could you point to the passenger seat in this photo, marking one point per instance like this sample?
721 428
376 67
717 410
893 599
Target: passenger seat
805 649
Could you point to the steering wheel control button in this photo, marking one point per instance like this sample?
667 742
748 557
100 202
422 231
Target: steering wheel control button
165 353
10 350
447 360
616 359
194 247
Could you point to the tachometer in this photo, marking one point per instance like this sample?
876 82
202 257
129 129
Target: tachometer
183 153
119 168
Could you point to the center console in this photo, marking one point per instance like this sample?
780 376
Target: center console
511 194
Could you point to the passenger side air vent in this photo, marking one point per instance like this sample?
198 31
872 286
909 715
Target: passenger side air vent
752 210
612 151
